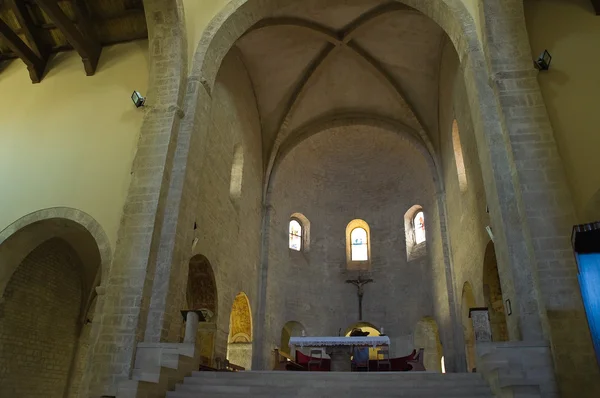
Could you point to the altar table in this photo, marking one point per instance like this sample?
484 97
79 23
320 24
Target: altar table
339 348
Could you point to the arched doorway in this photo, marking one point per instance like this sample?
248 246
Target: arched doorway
239 347
290 329
49 268
492 293
39 324
201 295
427 336
468 302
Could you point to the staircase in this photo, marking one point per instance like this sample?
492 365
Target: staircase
332 385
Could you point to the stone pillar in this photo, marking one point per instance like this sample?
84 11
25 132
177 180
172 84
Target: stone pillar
481 325
124 314
546 208
191 327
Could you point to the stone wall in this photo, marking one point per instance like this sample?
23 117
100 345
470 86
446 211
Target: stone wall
332 178
229 226
466 208
39 323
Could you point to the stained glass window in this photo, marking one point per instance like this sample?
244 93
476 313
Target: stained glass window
419 223
295 235
360 248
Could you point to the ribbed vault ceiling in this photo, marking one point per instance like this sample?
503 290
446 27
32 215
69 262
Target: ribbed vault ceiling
317 58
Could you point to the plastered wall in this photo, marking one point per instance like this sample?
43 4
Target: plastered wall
332 178
570 31
229 228
70 140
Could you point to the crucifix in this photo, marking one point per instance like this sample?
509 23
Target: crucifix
359 283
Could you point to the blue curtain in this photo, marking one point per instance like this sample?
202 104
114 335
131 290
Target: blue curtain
589 280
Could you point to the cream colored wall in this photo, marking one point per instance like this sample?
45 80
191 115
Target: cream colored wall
571 32
199 13
70 140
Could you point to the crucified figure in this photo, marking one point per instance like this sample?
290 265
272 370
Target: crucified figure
359 283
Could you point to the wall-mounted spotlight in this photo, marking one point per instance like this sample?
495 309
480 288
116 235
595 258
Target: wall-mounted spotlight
138 99
543 61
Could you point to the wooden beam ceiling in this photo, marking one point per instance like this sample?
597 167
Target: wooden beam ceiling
35 63
82 41
28 28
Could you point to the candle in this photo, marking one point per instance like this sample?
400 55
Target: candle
382 330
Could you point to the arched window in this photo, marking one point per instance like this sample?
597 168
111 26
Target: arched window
360 244
458 157
237 171
414 230
419 226
299 233
295 235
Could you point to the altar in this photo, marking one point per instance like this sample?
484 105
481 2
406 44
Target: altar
338 348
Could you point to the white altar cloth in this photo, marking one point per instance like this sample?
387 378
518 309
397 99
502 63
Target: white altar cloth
364 341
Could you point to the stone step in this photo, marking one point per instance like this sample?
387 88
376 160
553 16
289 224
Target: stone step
287 382
264 384
398 376
373 392
310 389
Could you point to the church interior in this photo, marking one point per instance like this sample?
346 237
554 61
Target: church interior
300 198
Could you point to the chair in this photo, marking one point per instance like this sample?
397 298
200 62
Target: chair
316 358
383 359
360 359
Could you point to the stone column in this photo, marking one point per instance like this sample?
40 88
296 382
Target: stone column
481 324
546 208
191 327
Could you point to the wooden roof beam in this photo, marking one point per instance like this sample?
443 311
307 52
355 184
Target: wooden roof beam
35 64
29 29
596 4
88 48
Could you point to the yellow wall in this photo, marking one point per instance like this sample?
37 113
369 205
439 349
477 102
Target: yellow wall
70 140
571 32
199 13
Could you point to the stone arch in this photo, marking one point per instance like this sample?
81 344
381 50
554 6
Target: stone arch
427 336
202 294
468 302
51 261
76 227
290 329
492 293
238 16
239 347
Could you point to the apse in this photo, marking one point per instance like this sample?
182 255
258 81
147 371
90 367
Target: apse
354 183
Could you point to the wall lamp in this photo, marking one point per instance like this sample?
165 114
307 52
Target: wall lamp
544 60
138 99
